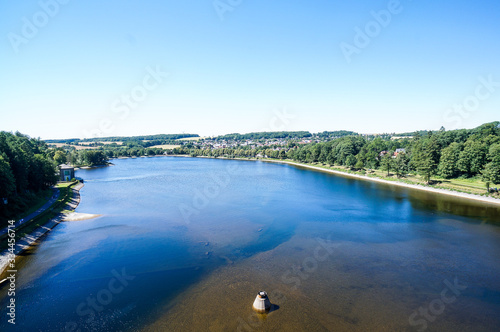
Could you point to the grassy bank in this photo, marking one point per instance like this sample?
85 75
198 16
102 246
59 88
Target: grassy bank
28 205
65 195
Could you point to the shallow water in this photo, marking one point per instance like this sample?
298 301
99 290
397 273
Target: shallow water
185 244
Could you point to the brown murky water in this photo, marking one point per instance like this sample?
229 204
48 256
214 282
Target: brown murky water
339 285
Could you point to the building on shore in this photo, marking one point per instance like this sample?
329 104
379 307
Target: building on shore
66 172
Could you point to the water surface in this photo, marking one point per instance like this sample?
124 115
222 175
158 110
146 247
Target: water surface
185 244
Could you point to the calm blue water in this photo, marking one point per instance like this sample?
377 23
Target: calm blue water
168 223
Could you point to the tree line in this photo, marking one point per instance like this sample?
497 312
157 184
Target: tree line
465 153
159 138
102 154
27 168
448 154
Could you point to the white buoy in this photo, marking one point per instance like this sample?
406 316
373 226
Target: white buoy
262 303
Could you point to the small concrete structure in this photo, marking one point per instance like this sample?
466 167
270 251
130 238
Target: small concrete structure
262 303
66 172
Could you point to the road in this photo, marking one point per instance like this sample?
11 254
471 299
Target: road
53 198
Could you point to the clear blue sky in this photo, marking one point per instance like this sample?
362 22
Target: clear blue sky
233 74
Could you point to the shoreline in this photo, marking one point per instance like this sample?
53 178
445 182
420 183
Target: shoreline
477 198
483 199
29 240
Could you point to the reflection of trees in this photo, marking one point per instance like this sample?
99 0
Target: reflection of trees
421 200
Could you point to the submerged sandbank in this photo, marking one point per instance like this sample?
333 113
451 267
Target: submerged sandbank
74 216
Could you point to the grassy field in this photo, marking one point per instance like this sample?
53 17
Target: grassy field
77 147
102 142
60 185
83 145
165 146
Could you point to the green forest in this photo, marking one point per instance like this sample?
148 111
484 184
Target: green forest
158 139
27 170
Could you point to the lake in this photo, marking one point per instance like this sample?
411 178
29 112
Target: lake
185 244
